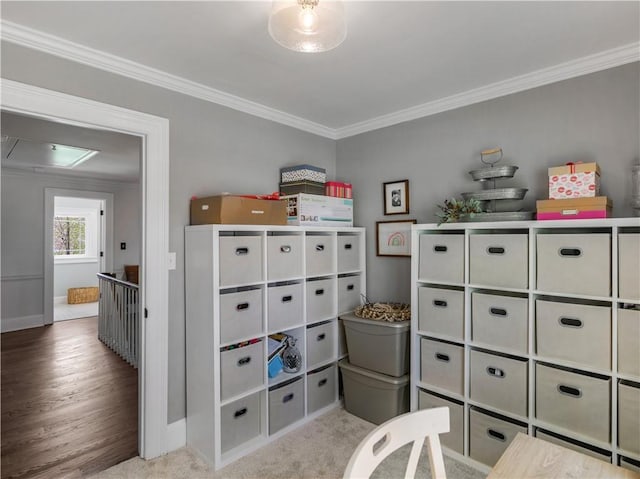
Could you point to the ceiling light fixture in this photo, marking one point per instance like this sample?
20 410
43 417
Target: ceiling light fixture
309 26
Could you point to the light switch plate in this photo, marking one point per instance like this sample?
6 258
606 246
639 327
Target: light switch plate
172 261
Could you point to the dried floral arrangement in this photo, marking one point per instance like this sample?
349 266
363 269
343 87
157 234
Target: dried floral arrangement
454 210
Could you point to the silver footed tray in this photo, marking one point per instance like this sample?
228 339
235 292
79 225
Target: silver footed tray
500 216
493 172
497 194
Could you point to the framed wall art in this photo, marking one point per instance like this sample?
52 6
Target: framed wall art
393 238
396 197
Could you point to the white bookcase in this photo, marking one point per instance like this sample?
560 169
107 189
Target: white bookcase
242 284
529 327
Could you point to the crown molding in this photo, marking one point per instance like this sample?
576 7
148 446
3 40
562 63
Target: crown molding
74 181
30 38
53 45
581 66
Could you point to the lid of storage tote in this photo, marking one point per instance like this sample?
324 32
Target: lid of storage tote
396 381
397 326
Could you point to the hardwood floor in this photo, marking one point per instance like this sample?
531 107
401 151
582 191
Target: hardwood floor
69 404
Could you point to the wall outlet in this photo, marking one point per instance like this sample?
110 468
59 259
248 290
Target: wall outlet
172 261
123 245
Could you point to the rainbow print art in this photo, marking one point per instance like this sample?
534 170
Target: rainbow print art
396 239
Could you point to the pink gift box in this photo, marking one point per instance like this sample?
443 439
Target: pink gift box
572 214
581 180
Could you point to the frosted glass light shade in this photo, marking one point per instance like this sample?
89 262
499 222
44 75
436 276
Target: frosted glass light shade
308 25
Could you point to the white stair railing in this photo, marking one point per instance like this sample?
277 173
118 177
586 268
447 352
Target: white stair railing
119 317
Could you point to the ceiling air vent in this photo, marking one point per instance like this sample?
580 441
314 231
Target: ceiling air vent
18 152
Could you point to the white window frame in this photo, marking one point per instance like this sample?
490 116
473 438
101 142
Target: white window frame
91 244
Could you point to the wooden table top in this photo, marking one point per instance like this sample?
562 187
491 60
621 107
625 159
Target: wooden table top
528 458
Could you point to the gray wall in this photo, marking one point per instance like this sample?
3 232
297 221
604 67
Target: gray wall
216 149
22 226
73 275
213 149
589 118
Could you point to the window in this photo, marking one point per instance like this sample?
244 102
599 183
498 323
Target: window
76 230
69 235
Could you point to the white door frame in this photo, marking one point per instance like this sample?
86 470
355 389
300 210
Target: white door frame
154 132
106 233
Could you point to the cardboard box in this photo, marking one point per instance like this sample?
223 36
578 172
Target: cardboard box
575 208
237 210
580 180
302 173
316 210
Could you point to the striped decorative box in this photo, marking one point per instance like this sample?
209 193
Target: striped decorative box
303 173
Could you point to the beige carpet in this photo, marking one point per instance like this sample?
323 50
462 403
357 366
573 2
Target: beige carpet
321 449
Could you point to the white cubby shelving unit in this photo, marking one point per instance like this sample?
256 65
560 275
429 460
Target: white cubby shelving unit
529 326
242 284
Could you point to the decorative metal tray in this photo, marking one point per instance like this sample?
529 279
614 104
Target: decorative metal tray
497 194
492 172
501 216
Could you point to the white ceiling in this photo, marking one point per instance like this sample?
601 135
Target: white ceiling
400 60
118 158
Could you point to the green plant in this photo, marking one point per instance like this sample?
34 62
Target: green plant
453 209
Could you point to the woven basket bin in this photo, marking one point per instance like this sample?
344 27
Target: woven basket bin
83 295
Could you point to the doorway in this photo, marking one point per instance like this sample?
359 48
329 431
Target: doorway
79 255
154 132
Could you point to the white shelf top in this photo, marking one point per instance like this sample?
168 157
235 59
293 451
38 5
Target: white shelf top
594 223
290 228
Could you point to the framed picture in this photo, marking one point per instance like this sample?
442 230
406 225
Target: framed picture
393 238
396 197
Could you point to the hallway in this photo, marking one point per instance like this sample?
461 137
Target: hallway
69 404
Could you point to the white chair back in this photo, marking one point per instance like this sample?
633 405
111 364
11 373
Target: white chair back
397 432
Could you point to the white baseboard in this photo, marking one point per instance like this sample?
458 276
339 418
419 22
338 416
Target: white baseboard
177 435
22 322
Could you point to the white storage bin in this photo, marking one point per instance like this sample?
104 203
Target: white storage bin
454 439
284 257
284 306
240 260
286 404
240 421
320 255
499 320
321 387
348 253
570 444
574 263
321 299
629 266
499 382
442 258
348 293
576 402
321 343
240 315
628 339
580 333
489 436
441 311
629 418
630 464
499 260
442 365
241 369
